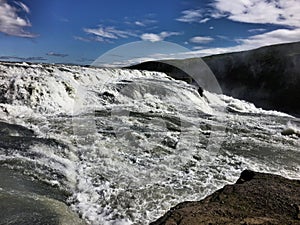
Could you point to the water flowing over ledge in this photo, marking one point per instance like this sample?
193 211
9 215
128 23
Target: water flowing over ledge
127 145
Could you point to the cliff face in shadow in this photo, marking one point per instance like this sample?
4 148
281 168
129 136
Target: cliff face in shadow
269 76
256 198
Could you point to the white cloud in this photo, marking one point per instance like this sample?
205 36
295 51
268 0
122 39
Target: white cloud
158 37
139 23
257 30
191 15
201 40
204 20
151 37
281 12
11 23
104 33
274 37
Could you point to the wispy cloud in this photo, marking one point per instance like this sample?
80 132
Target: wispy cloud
279 36
192 15
90 39
108 33
78 38
22 6
139 23
55 54
204 20
145 22
158 37
257 30
201 40
224 37
11 23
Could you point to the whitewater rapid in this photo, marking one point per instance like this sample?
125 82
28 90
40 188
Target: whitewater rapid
128 145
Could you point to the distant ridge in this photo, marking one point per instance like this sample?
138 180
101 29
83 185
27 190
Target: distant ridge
268 76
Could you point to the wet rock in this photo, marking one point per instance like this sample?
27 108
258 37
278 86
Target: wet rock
170 142
110 98
256 198
291 131
7 129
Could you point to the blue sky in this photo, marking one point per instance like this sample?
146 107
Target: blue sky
76 31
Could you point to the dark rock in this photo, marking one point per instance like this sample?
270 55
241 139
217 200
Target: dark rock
7 129
246 175
200 91
256 198
108 97
290 131
170 142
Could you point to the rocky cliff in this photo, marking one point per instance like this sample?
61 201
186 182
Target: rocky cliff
269 76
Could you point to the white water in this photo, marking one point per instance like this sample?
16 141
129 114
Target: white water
138 143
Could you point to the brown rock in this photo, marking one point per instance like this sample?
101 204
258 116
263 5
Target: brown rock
256 198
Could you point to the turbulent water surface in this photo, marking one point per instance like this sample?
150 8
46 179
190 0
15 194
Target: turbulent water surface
126 145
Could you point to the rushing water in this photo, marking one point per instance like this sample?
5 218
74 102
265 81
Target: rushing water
123 146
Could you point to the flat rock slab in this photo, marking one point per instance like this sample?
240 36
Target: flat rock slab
256 198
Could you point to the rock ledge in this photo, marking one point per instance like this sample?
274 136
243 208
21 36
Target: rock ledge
256 198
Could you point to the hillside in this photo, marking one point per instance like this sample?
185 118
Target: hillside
269 76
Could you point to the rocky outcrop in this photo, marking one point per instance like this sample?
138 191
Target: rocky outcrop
256 198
